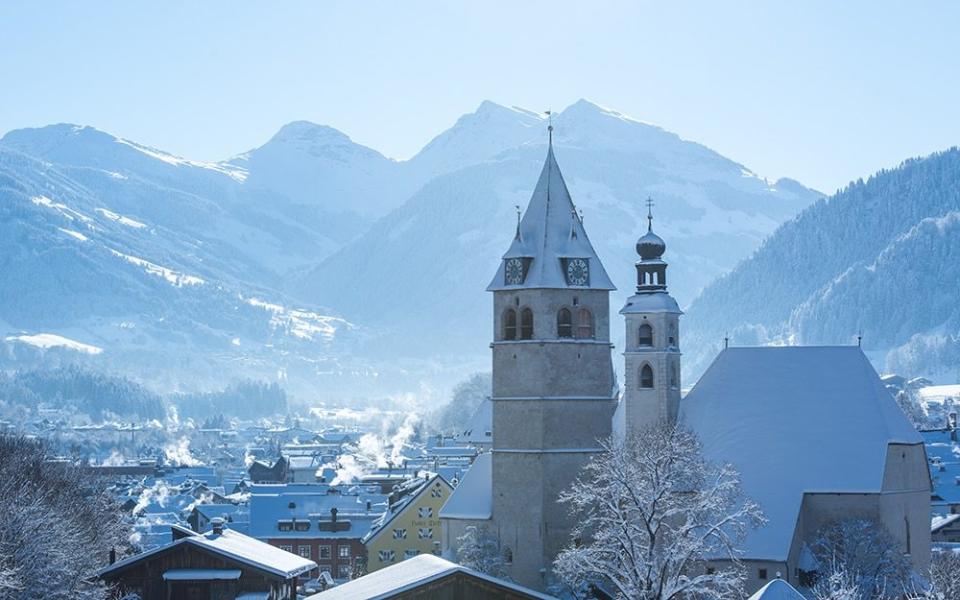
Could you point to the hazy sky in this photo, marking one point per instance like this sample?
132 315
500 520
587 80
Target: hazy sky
823 92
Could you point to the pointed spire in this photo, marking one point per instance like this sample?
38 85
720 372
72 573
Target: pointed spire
549 114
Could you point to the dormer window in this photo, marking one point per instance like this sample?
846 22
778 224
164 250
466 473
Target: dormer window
645 336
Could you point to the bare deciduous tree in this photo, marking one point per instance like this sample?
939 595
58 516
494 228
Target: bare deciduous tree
478 549
864 557
57 527
651 511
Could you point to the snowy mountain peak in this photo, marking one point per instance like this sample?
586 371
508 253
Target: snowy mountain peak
312 134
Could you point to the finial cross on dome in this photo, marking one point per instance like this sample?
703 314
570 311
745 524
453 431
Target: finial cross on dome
649 213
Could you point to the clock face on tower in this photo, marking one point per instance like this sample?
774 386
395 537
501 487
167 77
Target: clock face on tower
578 272
513 271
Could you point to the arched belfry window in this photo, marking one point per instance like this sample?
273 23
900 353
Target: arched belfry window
646 377
645 338
510 324
526 324
564 323
584 324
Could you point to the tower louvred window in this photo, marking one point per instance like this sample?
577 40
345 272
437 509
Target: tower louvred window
564 323
645 337
526 324
510 325
646 377
584 324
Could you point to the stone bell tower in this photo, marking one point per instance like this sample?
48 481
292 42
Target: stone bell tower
652 350
554 390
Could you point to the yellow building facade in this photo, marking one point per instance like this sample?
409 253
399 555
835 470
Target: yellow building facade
411 526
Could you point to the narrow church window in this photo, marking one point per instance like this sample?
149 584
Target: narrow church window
510 325
762 574
646 377
673 375
526 324
564 323
646 335
584 324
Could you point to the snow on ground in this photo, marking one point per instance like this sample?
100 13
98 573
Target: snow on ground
51 340
302 324
61 208
121 219
173 277
74 234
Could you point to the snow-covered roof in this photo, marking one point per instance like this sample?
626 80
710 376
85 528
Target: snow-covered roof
938 523
410 573
551 230
651 303
480 428
944 456
777 589
313 507
232 546
793 420
472 498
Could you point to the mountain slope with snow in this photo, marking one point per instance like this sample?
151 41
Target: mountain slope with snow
879 258
422 269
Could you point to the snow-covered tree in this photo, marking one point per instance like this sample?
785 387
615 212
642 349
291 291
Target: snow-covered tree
57 526
943 580
478 550
863 556
651 511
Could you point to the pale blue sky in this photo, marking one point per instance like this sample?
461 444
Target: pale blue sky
821 91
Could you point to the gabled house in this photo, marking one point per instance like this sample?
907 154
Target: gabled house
221 564
411 524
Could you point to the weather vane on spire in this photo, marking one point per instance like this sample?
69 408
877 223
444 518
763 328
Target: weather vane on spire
549 114
649 213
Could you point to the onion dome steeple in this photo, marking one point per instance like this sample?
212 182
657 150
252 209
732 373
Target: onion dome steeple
650 246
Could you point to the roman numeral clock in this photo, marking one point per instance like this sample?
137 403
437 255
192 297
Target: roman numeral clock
577 271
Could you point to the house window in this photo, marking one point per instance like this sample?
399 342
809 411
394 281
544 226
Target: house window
526 324
425 533
287 548
284 526
302 525
343 551
399 534
762 574
510 324
411 553
324 553
584 324
304 551
325 569
711 570
387 556
645 337
564 323
436 492
344 572
425 512
646 377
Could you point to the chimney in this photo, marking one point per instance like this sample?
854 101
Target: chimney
113 555
333 514
217 524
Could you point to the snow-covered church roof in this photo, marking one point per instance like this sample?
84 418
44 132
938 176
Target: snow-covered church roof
551 230
793 420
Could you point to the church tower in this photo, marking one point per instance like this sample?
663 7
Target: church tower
652 350
554 391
